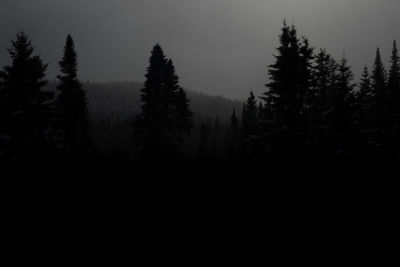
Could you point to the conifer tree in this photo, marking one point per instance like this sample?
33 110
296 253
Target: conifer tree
394 73
324 80
290 80
72 103
149 125
26 108
364 95
379 89
342 110
344 95
394 85
290 76
249 117
393 113
364 104
183 113
166 115
249 127
319 100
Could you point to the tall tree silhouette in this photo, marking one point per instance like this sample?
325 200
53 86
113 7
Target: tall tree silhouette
342 110
324 79
394 85
319 100
393 113
365 111
249 117
166 115
249 127
364 95
72 103
183 115
379 89
290 78
25 107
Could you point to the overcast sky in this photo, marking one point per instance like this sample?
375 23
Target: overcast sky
219 47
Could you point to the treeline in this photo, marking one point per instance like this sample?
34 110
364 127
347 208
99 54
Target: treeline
311 108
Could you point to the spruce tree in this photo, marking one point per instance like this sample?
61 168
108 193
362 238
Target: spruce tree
249 127
344 95
324 80
342 113
394 86
364 95
394 73
364 104
25 115
166 116
319 101
149 125
183 112
380 92
72 103
290 80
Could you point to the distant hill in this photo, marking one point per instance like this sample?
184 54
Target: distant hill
122 100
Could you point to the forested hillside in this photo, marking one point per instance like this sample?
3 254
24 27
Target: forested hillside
112 100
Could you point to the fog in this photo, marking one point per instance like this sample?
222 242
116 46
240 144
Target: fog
220 47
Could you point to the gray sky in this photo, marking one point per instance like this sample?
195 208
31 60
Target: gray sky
219 47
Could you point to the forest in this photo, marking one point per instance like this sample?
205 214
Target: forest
312 108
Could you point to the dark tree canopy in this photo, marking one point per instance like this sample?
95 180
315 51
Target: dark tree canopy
25 107
72 104
364 95
290 76
166 116
394 85
379 89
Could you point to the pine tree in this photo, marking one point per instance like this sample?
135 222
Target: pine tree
26 108
72 103
364 118
183 113
166 116
394 73
249 127
379 89
364 95
394 86
290 81
249 117
324 80
344 95
319 101
342 112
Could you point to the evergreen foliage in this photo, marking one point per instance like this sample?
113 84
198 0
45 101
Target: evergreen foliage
72 107
166 116
26 110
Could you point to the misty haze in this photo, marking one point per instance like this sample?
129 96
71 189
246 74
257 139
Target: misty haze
205 81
